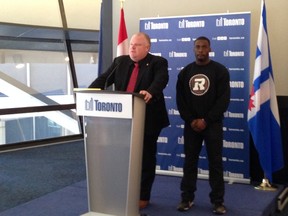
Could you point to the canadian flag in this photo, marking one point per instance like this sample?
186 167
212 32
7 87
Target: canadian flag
122 47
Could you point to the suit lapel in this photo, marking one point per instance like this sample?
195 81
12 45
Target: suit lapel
144 68
125 73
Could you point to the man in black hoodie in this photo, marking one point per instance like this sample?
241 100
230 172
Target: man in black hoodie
203 95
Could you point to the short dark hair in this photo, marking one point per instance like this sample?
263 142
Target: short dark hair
202 38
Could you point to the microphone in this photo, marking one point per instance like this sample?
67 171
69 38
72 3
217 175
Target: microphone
110 75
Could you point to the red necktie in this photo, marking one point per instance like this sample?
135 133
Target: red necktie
133 78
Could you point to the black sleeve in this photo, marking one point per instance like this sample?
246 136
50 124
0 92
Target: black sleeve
160 78
181 98
105 78
223 96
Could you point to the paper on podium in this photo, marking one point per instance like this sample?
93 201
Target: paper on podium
86 89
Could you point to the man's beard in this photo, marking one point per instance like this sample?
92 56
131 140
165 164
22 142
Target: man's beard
202 58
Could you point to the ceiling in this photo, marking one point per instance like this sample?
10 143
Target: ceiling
24 37
25 30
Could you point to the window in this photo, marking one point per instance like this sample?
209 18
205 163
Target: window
38 72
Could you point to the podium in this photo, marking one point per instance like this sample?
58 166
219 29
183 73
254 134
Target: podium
114 129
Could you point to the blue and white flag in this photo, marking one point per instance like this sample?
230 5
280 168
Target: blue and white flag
263 114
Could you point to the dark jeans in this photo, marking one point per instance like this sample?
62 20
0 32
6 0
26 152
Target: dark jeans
213 137
148 164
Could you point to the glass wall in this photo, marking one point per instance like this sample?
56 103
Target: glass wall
37 72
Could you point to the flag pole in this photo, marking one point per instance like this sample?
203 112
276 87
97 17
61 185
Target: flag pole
266 186
122 3
100 47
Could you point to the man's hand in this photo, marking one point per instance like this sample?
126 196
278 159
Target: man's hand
198 125
147 95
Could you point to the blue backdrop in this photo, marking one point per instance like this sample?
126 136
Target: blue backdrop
172 38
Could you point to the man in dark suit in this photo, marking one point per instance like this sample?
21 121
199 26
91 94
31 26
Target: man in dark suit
151 80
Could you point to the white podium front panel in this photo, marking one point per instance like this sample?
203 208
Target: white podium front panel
108 152
104 105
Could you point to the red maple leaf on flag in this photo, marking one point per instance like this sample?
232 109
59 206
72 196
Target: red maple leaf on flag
251 101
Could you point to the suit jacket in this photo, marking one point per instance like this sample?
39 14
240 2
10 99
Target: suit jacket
152 77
